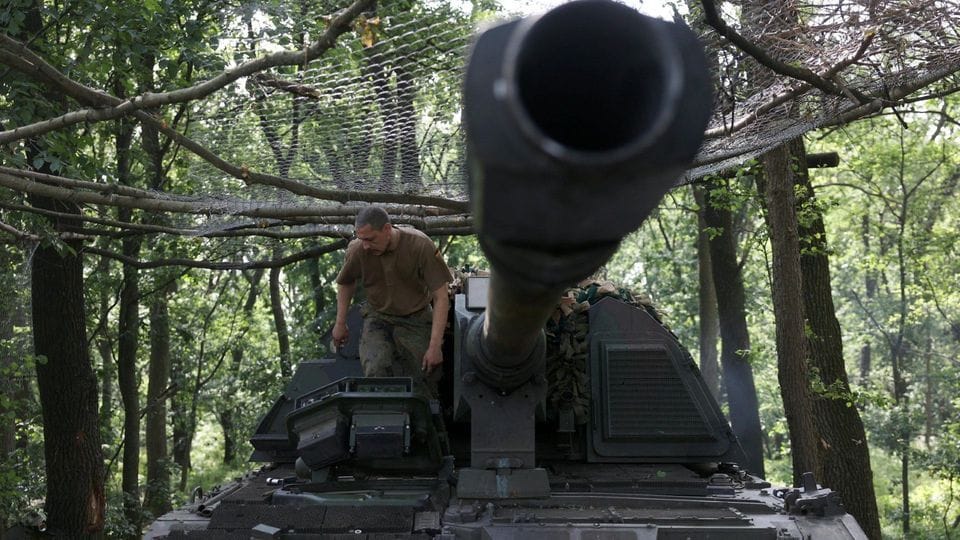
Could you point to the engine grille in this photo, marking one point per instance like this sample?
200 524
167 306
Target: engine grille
646 399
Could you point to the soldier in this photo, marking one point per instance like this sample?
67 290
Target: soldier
403 273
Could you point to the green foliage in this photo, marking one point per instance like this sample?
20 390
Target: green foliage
837 390
22 481
117 524
891 212
463 253
933 500
210 471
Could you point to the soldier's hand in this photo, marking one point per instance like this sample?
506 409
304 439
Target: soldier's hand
340 334
432 360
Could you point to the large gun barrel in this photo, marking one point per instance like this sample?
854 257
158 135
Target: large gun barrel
578 122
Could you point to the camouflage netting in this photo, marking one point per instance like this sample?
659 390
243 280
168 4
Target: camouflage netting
378 116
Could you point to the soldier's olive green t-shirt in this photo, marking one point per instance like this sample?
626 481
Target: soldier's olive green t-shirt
401 279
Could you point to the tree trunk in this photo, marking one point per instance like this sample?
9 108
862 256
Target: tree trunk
182 428
75 498
870 288
709 321
929 390
128 342
905 491
105 349
316 293
844 455
335 165
735 339
9 370
865 361
107 366
15 391
792 370
228 411
157 492
68 391
129 388
280 322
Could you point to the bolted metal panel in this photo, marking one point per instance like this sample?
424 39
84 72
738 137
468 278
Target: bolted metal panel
649 402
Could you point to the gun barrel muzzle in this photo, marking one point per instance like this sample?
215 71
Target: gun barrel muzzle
578 122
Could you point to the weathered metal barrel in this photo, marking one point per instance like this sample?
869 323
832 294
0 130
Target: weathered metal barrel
578 122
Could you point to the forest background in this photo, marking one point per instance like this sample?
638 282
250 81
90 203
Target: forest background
165 259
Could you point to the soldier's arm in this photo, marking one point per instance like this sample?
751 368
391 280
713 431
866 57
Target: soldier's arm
433 358
344 296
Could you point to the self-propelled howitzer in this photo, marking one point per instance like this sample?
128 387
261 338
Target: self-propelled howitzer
578 122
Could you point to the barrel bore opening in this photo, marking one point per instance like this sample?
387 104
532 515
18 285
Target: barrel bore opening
593 80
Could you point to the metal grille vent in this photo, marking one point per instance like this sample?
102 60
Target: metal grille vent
646 399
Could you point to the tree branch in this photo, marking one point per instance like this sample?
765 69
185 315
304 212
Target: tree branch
108 188
327 227
895 94
300 90
109 195
190 263
760 55
20 235
790 94
338 25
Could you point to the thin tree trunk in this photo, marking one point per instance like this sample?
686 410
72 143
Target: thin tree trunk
229 410
844 455
709 317
8 370
15 391
709 320
870 287
334 163
928 392
129 388
228 413
107 366
734 336
866 358
128 342
182 430
792 370
316 293
186 405
157 492
905 492
157 489
280 323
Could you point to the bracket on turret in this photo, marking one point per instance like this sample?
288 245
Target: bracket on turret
507 483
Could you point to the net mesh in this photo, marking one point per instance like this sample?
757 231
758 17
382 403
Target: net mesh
378 116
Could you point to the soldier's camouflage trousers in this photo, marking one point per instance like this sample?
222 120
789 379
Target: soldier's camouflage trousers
393 346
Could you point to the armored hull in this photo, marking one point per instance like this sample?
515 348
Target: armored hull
662 469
